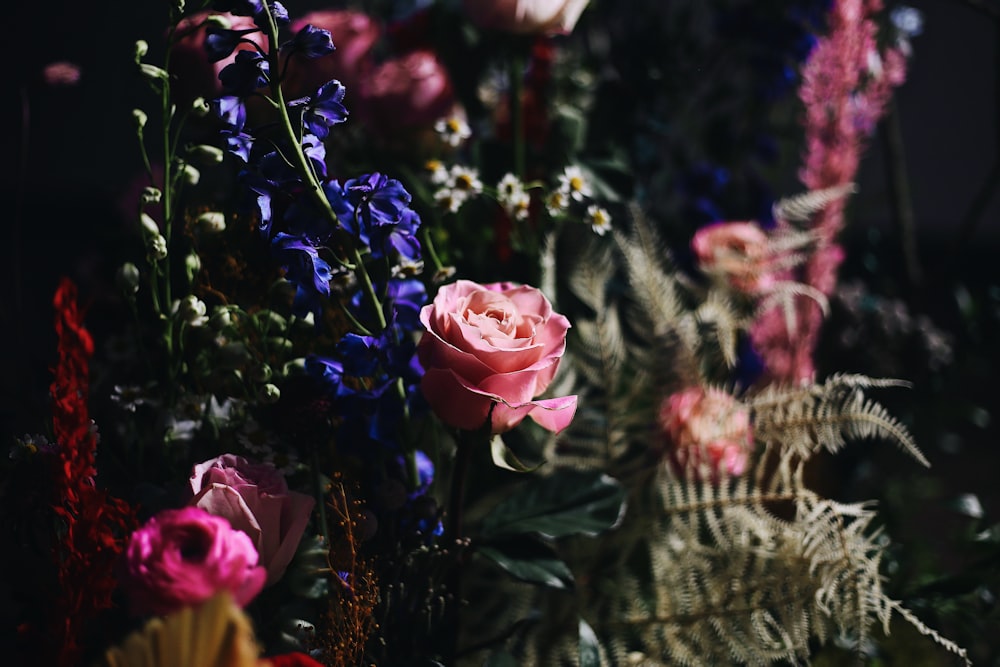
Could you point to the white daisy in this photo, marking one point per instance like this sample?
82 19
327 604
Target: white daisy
599 219
453 130
574 184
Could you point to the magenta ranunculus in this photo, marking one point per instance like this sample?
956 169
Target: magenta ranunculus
707 431
182 557
495 345
254 497
738 252
412 90
526 16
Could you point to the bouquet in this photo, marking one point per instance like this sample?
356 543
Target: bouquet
425 349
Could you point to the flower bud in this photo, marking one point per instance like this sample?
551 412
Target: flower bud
127 278
152 72
141 49
140 118
211 222
270 393
218 21
150 195
200 107
149 226
192 265
190 175
261 373
157 248
191 309
222 317
206 154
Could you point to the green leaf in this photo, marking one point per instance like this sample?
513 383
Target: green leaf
530 561
504 457
501 659
590 648
568 502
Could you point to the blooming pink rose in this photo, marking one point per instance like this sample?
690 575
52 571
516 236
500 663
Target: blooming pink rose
185 556
737 251
526 16
195 75
254 497
708 432
413 90
354 36
495 345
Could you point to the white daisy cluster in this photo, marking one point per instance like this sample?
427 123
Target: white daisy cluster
513 197
455 185
453 130
574 186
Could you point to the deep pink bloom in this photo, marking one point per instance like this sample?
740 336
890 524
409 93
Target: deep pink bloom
255 499
737 252
410 91
707 431
846 83
182 557
495 345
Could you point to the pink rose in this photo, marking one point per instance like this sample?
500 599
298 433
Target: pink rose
737 251
498 346
254 497
354 36
708 432
526 16
413 90
185 556
195 75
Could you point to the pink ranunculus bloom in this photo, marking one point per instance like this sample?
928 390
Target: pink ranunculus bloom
708 432
196 76
354 36
495 345
526 16
738 252
182 557
410 91
254 498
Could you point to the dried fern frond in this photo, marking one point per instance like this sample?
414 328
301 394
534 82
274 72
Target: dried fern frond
802 207
803 420
783 293
215 634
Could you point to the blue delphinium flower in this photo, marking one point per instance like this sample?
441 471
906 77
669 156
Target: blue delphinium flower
310 41
305 269
247 73
323 110
220 42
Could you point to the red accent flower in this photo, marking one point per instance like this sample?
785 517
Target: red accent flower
95 523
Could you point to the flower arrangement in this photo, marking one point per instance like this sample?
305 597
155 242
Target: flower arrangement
417 366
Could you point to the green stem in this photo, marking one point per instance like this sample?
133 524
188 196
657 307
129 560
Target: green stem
516 74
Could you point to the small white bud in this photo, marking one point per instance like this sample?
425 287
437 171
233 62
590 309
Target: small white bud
206 154
200 107
192 265
153 72
149 226
270 393
211 222
157 248
127 278
219 21
140 118
141 49
190 174
192 310
150 195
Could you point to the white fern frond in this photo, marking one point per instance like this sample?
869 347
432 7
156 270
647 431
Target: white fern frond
802 207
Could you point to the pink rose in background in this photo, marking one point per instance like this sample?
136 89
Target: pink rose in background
526 16
194 74
185 556
708 432
354 36
493 345
739 252
255 499
411 91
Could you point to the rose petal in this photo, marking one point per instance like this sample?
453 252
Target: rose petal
552 414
